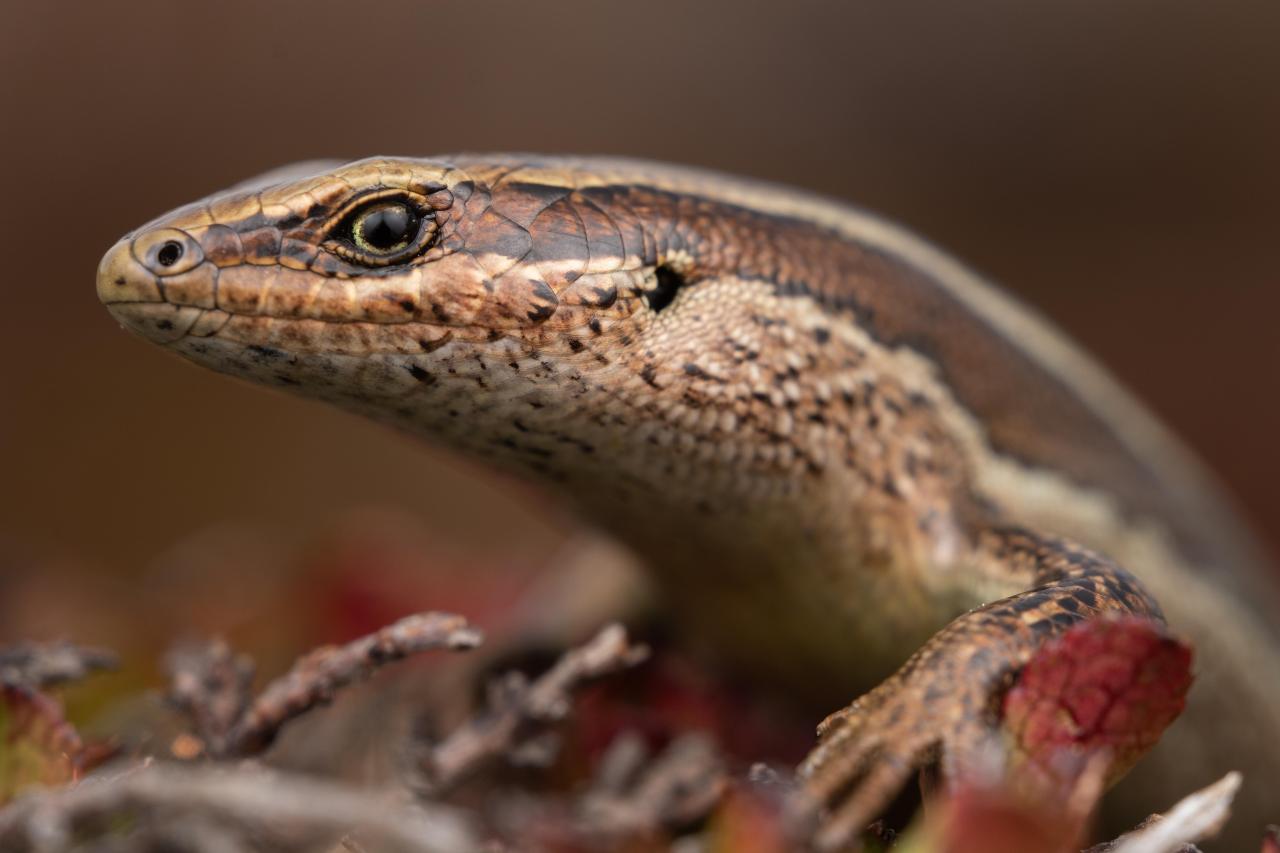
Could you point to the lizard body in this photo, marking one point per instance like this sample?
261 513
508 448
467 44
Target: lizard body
826 438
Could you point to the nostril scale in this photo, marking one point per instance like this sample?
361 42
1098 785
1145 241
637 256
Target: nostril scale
166 251
169 254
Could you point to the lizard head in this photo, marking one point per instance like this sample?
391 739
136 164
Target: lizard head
364 260
551 317
363 283
497 306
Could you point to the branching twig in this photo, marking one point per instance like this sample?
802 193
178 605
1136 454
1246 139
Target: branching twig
41 665
292 812
318 675
680 786
212 685
516 705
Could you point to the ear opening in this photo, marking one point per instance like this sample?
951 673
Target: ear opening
664 291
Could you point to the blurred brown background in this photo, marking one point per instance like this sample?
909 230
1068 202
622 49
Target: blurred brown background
1114 163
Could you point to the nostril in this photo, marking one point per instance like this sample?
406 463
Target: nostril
166 251
169 254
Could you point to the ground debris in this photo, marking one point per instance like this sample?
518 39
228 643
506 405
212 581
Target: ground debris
679 787
42 665
519 711
211 808
535 778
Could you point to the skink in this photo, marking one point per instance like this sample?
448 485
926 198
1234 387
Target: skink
832 444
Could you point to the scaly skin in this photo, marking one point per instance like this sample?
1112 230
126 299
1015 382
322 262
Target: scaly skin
827 440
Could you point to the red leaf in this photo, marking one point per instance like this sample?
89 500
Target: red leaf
1105 690
997 820
749 822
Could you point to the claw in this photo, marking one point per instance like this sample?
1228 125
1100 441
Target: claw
839 764
868 752
829 768
843 718
872 795
836 730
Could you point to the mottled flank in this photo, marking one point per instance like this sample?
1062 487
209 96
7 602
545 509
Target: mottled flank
825 437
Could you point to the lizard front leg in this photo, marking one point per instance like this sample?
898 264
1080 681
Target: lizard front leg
942 704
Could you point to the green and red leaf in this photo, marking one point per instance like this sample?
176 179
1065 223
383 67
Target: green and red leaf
38 747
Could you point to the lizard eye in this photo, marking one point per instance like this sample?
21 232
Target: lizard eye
382 232
384 227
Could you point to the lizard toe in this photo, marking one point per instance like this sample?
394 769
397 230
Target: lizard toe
866 754
870 795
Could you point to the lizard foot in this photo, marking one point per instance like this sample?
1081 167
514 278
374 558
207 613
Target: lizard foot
937 707
942 707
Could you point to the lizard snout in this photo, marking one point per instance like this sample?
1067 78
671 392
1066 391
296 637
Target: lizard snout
156 283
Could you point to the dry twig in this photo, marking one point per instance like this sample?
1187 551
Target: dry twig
217 809
212 685
1196 817
41 665
679 787
517 706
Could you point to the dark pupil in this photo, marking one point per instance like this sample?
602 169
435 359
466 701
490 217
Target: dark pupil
387 227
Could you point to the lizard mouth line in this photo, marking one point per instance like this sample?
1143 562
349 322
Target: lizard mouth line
170 324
